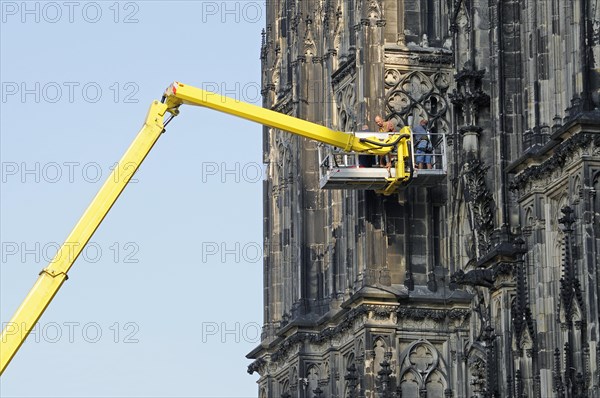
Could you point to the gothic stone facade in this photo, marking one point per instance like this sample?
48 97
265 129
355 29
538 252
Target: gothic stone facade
484 286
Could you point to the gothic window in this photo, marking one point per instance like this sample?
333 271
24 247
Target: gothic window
556 239
351 379
349 360
345 99
352 4
283 24
498 316
436 384
422 369
529 219
285 388
526 364
409 383
418 95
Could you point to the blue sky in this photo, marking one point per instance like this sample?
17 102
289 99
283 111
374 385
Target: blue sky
168 299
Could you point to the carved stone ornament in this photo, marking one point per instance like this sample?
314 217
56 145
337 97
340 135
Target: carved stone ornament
345 99
557 160
475 277
417 94
481 203
422 369
438 315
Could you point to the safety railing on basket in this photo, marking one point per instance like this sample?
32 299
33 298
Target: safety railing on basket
429 152
343 170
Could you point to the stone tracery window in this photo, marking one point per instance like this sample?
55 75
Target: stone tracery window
422 369
418 94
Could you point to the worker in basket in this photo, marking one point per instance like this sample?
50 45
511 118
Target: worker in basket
423 146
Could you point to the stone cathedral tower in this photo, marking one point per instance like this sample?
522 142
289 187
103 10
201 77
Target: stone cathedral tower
485 285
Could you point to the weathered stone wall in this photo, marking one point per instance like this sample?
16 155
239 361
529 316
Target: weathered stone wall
484 286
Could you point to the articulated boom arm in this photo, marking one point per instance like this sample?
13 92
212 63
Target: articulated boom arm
52 277
178 94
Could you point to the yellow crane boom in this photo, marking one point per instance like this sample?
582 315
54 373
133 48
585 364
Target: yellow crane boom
52 277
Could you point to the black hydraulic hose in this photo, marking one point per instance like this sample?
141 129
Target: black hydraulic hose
166 123
383 144
169 120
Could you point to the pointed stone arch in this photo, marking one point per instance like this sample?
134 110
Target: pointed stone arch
351 377
528 217
294 374
345 101
285 388
360 347
477 366
410 381
558 203
422 368
436 384
497 315
526 342
577 312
